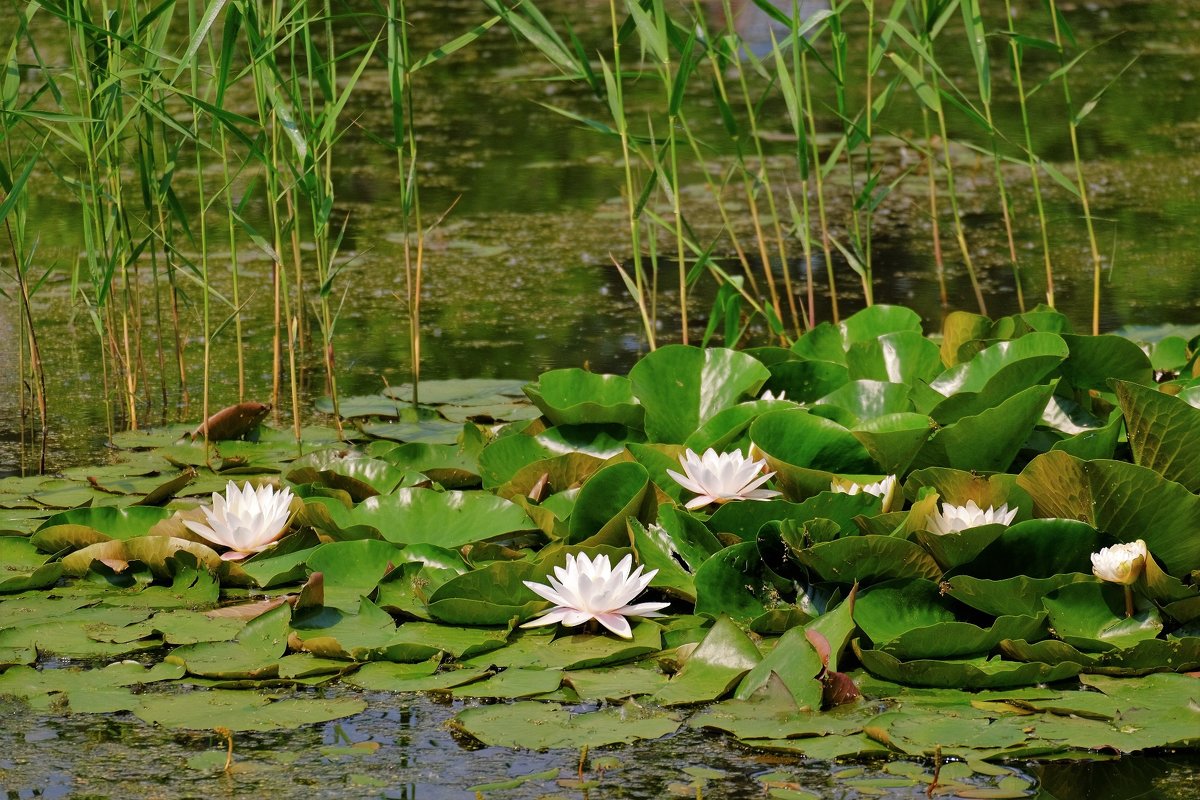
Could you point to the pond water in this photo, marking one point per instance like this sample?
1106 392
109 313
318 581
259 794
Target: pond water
519 280
418 758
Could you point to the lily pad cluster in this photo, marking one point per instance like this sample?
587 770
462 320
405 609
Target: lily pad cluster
1006 453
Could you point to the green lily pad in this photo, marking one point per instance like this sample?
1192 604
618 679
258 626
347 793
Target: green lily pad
382 676
330 633
735 581
84 526
22 567
714 667
1164 432
893 440
900 357
155 552
969 673
1016 596
863 559
492 595
539 647
866 400
513 683
772 713
1095 360
575 397
958 547
1038 548
745 520
421 516
795 662
682 387
614 683
353 569
1020 362
538 726
1124 500
240 710
71 637
358 476
675 547
805 451
990 440
420 641
253 654
878 320
40 687
1091 616
1144 657
451 466
607 499
461 391
805 381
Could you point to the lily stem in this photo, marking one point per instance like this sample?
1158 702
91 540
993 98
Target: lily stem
1128 601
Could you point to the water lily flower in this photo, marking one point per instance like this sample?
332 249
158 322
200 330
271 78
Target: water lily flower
885 489
769 395
720 478
590 589
1123 564
952 519
245 520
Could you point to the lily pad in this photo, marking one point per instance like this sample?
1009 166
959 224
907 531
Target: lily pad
682 387
538 726
1124 500
970 673
421 516
575 397
84 526
22 567
1164 432
714 667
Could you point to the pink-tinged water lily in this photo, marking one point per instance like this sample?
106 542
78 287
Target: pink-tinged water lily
245 520
589 589
951 519
720 478
1123 564
884 489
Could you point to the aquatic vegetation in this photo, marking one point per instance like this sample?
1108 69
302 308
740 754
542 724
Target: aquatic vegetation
245 520
950 518
1121 563
720 478
427 564
590 589
884 489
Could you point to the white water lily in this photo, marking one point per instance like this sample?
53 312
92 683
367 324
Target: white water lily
591 589
245 520
952 519
720 478
1121 563
769 395
884 489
